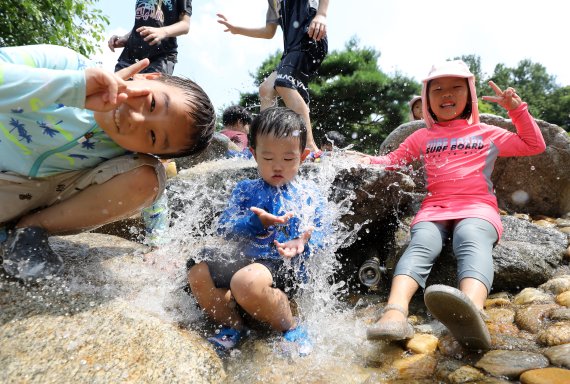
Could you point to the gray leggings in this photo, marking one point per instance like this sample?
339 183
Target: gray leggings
473 241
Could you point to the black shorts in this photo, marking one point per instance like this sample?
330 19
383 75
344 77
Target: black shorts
298 66
223 266
161 64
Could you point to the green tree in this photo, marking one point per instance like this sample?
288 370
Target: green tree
76 24
546 100
557 108
531 81
351 95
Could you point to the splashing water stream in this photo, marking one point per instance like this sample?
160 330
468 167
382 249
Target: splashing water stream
338 334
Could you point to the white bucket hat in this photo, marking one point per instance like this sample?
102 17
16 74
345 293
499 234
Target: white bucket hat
455 68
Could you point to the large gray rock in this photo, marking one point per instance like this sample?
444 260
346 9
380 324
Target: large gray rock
102 322
531 184
527 255
217 149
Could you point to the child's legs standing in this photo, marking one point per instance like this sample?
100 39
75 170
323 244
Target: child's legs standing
216 302
267 93
252 289
473 241
292 80
414 266
294 101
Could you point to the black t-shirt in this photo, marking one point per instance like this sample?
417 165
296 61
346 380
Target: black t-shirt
146 15
294 17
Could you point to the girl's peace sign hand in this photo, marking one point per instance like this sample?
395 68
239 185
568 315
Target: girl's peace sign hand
507 99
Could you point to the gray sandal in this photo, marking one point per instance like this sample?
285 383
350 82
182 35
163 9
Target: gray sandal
458 313
391 330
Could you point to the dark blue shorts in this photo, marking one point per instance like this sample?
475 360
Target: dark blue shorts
223 266
298 66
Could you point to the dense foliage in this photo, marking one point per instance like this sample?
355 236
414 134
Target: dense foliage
76 24
352 95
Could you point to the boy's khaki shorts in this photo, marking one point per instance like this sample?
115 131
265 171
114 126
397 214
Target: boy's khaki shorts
20 195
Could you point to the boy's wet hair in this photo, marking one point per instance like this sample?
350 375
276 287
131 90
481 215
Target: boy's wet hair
202 116
278 122
236 114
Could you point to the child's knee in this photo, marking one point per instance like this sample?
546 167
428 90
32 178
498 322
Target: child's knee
248 284
144 181
199 277
266 90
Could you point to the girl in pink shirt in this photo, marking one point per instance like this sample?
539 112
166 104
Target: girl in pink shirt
458 153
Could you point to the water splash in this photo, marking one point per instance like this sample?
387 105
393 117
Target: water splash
198 199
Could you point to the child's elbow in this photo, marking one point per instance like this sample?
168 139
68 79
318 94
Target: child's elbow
269 31
539 148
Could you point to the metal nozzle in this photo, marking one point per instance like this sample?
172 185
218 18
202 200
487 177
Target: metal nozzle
370 272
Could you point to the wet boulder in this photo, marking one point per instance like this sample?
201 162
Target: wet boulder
104 320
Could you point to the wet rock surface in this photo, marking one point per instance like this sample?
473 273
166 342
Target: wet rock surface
95 323
119 315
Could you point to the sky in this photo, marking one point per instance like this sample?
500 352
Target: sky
410 35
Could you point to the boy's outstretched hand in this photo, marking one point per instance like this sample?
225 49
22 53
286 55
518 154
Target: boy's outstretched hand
229 27
267 219
507 99
293 247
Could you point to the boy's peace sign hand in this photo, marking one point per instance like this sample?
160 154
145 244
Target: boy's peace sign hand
507 99
131 70
268 219
104 90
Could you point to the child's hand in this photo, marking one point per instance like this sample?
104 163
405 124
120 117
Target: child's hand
103 90
267 219
318 27
229 27
152 35
293 247
507 99
116 42
364 159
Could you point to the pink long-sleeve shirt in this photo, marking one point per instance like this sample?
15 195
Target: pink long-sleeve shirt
458 160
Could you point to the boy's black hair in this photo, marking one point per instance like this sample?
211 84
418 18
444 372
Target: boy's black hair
336 137
279 122
236 114
202 116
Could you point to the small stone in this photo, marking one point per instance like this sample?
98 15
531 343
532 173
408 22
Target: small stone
422 344
415 367
564 299
557 285
556 334
532 296
546 376
511 363
559 355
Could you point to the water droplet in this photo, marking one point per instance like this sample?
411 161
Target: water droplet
520 197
